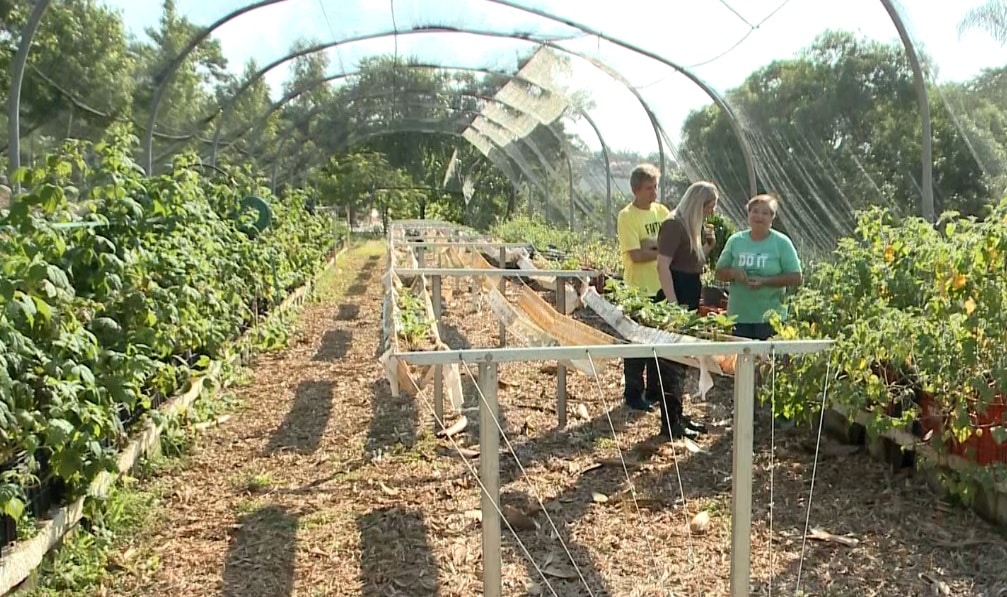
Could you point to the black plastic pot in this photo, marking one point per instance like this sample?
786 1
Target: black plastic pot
8 526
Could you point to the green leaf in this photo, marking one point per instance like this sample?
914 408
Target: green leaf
106 325
42 308
84 374
13 507
59 431
27 308
57 277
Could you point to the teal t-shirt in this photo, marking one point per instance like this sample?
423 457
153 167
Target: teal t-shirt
771 256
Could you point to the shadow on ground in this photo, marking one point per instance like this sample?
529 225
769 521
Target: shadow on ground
395 555
394 420
334 345
260 558
302 429
348 312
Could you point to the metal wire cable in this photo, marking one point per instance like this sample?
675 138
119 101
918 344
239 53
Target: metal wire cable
814 470
524 473
482 487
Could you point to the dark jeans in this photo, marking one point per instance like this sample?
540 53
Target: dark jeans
754 331
688 289
646 377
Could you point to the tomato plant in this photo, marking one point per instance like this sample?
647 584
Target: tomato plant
916 310
561 249
722 229
587 249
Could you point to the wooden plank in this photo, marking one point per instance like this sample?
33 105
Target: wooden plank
534 321
741 477
25 556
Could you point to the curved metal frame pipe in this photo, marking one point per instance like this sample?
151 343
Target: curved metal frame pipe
290 96
433 30
739 132
393 130
31 26
923 100
17 79
523 166
316 82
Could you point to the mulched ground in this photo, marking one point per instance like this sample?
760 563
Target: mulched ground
325 484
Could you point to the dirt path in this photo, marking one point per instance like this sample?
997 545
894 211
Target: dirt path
324 484
256 509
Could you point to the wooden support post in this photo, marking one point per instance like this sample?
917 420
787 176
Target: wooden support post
503 291
489 472
437 300
458 281
560 367
741 479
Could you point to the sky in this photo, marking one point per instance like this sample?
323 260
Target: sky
700 35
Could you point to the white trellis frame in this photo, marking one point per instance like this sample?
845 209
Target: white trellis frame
744 400
487 360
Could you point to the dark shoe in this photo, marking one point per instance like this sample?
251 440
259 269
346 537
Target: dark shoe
678 431
639 404
696 426
653 400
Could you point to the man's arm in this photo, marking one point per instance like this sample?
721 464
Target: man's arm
639 250
647 252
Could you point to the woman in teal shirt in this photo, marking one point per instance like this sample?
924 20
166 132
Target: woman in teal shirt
760 263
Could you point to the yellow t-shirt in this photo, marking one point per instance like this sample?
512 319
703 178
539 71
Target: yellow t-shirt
634 225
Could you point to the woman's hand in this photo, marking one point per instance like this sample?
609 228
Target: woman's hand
709 239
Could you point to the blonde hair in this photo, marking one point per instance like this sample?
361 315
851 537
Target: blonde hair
643 173
765 199
689 212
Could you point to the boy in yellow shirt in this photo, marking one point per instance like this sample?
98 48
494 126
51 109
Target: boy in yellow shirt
637 225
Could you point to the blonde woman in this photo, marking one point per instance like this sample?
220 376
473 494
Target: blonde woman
682 246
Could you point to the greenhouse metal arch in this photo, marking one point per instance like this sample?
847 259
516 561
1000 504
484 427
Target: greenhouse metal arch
167 75
510 76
